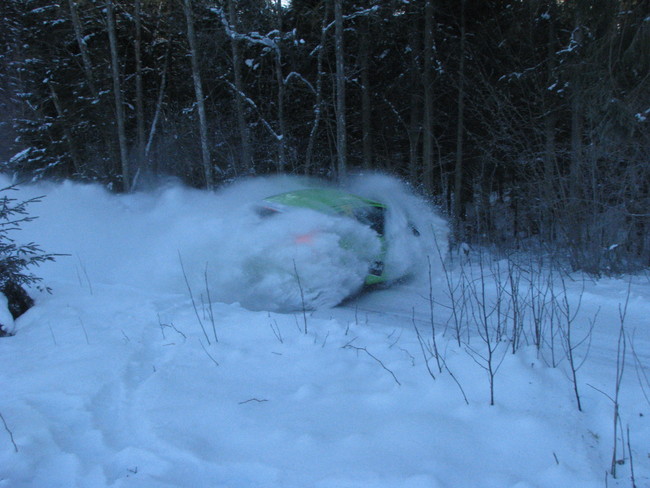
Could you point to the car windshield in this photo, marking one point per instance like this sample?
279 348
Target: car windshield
373 217
370 215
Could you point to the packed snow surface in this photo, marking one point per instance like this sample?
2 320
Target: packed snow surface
168 353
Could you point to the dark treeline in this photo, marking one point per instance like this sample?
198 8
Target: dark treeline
525 120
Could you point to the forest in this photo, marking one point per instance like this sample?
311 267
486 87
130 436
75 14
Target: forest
525 121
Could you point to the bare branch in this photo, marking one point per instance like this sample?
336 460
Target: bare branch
11 435
349 346
189 289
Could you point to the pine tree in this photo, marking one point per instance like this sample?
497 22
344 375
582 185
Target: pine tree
16 260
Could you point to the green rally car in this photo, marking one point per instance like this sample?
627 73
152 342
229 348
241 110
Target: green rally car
336 202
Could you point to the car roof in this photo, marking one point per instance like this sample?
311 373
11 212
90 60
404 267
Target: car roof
326 200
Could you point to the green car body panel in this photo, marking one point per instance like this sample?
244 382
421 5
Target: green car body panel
337 202
325 200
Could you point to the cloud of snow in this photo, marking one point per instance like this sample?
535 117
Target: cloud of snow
223 248
408 254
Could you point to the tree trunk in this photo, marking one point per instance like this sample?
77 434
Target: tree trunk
576 139
366 103
415 120
318 106
117 93
282 157
72 147
139 96
427 136
246 161
575 218
550 121
159 103
458 170
83 49
198 91
341 149
100 116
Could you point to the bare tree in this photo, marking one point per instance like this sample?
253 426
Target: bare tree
281 137
427 136
117 94
415 121
198 90
244 134
159 104
484 313
460 128
74 152
88 74
366 104
340 93
83 48
318 105
139 96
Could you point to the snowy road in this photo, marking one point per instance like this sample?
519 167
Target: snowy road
116 379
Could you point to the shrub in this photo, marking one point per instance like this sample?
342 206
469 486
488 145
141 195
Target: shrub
17 259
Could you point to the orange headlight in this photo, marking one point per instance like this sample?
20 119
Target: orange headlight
305 238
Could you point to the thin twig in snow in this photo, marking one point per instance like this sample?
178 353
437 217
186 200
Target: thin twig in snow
276 330
210 311
422 348
207 353
349 346
256 400
302 295
52 334
629 450
11 435
83 327
641 375
189 289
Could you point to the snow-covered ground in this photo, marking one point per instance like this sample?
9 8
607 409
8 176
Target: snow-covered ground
119 377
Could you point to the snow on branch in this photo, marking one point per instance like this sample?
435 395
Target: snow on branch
354 15
359 13
249 101
253 37
293 74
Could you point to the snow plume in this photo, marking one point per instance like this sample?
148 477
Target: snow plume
222 247
426 233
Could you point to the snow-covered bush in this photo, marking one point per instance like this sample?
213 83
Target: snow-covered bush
16 259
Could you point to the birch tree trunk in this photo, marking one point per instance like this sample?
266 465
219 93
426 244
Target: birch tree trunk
117 93
198 91
341 149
